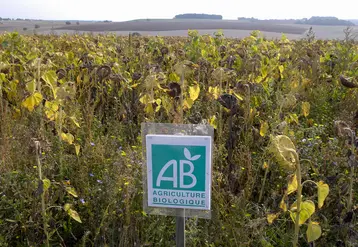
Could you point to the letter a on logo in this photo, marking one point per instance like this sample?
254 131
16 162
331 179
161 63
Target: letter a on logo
164 169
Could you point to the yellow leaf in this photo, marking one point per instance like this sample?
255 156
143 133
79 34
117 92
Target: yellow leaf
135 85
283 204
214 92
194 92
238 96
284 150
292 184
281 69
306 108
159 103
265 165
51 109
307 209
213 122
144 99
188 103
46 183
272 217
149 109
264 128
74 215
74 120
314 231
71 191
323 191
293 118
77 148
32 101
69 138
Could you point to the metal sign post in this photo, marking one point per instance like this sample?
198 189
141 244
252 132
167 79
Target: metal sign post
180 229
177 172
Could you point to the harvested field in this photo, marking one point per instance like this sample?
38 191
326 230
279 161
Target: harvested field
172 25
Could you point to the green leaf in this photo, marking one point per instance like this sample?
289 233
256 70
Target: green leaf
67 206
2 77
46 183
323 191
289 101
307 209
51 80
194 92
31 86
71 191
74 215
292 185
32 101
50 77
265 243
264 128
314 231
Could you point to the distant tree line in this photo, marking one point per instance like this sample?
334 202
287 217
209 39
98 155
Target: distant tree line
252 19
199 16
18 19
325 21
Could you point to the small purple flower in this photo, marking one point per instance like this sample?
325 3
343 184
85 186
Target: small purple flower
82 201
92 144
99 181
91 175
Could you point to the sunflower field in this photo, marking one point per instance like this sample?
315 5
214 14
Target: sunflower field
285 114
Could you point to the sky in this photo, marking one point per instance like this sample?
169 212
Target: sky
120 10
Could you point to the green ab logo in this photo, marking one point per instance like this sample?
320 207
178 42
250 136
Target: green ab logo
173 164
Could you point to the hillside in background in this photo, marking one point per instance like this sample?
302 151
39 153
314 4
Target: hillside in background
355 21
199 16
315 20
325 21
